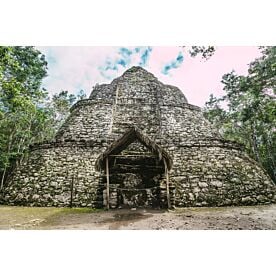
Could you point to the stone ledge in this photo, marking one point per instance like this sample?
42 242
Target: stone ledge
210 143
213 142
89 102
68 143
86 102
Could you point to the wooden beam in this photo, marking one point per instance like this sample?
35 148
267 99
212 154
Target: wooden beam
107 183
132 155
71 190
167 185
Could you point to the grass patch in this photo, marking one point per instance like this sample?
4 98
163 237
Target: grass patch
18 217
82 210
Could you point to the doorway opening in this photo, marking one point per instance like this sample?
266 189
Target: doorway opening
135 173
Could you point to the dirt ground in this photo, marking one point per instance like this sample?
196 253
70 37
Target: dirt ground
254 217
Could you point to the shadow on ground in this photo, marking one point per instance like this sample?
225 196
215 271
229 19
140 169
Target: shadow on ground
49 218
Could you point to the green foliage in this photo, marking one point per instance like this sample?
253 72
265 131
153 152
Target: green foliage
250 117
61 104
27 115
204 51
24 118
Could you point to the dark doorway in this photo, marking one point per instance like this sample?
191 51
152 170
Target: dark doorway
135 172
135 181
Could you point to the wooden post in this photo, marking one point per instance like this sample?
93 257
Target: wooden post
71 188
167 185
107 183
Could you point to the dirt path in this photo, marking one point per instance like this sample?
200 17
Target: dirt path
257 217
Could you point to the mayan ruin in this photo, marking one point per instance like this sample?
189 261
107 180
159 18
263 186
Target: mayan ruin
137 142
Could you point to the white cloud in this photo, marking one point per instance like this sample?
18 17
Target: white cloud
76 68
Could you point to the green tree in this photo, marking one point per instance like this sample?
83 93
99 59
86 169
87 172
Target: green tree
61 104
22 115
204 51
250 116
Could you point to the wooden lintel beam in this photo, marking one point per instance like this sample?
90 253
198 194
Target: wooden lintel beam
167 185
107 183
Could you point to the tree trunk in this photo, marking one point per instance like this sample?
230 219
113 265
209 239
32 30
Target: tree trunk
5 169
3 179
270 157
254 142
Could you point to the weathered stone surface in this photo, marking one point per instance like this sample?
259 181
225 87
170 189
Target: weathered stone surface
207 170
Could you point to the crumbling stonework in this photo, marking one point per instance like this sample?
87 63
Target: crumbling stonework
206 170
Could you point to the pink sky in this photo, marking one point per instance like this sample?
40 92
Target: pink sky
75 68
198 78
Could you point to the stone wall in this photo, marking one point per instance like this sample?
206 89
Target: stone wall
135 98
88 120
207 170
219 176
45 177
107 120
203 174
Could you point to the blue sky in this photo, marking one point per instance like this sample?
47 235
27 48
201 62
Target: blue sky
80 68
173 64
130 56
